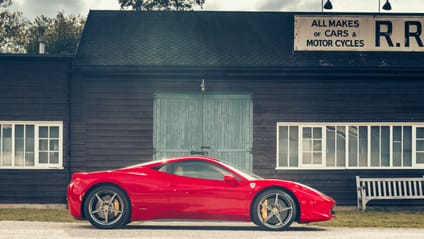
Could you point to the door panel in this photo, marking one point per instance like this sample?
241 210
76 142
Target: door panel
228 128
176 124
219 125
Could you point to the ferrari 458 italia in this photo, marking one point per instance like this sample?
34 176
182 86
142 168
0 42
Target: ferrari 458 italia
192 188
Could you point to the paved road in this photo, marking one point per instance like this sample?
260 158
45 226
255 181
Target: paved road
190 230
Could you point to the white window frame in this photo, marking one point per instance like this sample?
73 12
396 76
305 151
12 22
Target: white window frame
323 166
37 125
414 145
300 148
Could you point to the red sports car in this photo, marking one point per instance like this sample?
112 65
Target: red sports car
192 188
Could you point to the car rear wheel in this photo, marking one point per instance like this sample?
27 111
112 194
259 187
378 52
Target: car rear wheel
274 209
107 207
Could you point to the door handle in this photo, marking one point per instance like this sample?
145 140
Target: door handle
205 147
205 153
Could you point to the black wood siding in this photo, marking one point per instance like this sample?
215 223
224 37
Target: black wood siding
35 89
113 116
332 99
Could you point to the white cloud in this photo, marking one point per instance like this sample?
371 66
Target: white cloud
33 8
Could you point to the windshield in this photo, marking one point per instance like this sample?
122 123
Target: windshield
242 172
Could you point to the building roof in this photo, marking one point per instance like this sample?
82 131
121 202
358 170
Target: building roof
211 39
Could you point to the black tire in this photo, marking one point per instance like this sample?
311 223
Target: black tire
107 207
271 214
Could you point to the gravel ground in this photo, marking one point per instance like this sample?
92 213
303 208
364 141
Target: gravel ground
192 230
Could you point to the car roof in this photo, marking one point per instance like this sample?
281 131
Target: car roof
175 159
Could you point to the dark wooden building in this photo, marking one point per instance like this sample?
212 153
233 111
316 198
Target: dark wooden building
148 85
34 128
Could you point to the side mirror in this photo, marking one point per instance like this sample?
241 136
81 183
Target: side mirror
231 180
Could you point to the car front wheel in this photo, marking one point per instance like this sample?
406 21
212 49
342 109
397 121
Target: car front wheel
274 209
107 207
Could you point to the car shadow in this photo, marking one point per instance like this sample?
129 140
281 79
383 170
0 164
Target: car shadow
199 227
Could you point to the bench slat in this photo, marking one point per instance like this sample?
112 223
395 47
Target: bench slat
384 188
395 189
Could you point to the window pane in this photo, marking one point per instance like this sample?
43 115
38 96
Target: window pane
43 157
54 157
294 146
397 154
54 145
307 133
29 138
397 146
420 158
420 132
43 132
283 142
19 131
407 146
420 145
375 146
307 145
54 132
317 134
19 146
317 145
43 145
317 160
29 159
331 147
341 146
19 159
193 169
7 145
363 146
353 146
385 146
307 158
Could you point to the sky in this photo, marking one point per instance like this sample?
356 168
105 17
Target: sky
33 8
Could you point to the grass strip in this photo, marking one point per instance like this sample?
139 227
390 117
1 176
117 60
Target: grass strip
383 219
40 215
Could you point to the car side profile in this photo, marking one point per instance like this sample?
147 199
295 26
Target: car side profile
192 188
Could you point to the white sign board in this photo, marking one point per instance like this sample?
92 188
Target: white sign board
358 33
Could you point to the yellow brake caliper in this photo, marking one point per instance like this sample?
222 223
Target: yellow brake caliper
115 207
264 210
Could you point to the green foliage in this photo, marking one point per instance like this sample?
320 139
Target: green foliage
61 34
179 5
13 32
5 3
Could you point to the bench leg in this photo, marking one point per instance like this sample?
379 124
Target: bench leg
364 204
362 201
358 202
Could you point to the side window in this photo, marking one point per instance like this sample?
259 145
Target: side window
163 168
196 169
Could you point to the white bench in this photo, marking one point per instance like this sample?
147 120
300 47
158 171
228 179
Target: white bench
388 188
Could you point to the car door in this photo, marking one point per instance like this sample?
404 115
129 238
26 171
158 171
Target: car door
199 191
